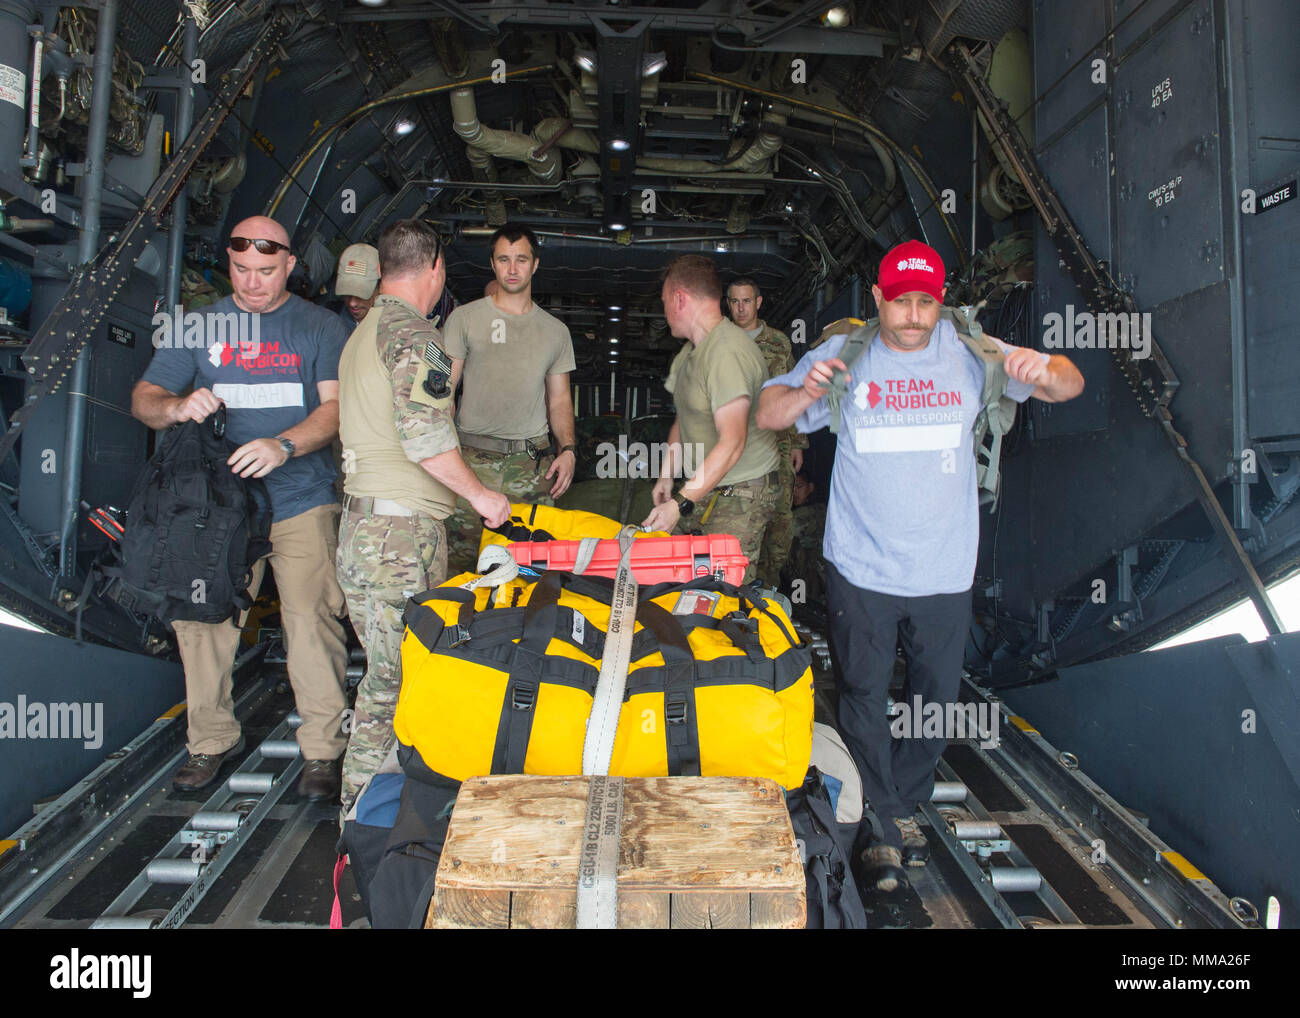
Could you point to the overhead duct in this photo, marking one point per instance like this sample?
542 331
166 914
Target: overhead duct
506 144
755 158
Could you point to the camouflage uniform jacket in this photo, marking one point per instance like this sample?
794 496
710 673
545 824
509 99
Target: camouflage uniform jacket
779 357
389 420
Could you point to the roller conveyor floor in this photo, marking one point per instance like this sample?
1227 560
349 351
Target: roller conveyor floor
282 876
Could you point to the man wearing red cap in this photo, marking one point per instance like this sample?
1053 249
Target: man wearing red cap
902 523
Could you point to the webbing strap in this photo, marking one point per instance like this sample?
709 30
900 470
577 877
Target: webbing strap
586 550
852 349
598 860
336 911
598 747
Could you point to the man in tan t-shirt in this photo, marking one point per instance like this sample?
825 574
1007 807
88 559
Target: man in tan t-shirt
403 471
515 360
729 462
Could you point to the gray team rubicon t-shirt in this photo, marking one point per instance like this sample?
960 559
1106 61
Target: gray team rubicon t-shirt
903 512
266 372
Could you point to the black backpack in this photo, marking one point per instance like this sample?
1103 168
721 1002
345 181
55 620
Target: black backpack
826 848
194 529
393 840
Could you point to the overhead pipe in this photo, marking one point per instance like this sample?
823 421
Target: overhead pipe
545 166
32 142
753 159
87 246
184 122
868 129
348 121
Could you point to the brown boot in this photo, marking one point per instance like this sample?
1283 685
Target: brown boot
883 866
201 769
319 781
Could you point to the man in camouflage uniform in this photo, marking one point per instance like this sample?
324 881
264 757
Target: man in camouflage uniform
515 359
806 563
715 381
743 301
403 472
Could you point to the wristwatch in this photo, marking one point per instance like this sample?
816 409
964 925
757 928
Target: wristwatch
568 448
288 447
684 505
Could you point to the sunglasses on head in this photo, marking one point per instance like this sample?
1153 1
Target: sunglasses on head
242 244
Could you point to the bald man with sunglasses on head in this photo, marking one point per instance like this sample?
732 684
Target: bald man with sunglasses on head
272 359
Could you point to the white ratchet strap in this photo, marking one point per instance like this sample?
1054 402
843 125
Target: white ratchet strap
496 566
602 831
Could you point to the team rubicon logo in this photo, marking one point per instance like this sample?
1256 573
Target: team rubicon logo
905 394
867 395
904 264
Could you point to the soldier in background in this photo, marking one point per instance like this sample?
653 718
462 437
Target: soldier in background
806 563
358 275
403 473
744 301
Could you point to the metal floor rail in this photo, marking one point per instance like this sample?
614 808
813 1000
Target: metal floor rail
197 855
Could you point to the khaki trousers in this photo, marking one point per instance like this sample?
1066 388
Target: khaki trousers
311 604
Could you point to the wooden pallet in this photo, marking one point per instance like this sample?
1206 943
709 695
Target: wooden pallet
695 853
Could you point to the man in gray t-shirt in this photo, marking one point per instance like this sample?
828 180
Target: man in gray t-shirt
514 358
902 523
272 359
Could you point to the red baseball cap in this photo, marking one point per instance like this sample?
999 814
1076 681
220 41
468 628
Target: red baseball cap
912 267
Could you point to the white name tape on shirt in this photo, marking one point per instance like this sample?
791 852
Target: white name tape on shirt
909 438
259 397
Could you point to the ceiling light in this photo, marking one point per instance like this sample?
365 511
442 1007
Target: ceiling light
620 144
614 318
617 226
837 16
616 307
653 64
613 339
585 59
403 127
373 3
721 247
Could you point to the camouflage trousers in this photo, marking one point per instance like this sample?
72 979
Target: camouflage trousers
745 513
516 475
780 531
382 560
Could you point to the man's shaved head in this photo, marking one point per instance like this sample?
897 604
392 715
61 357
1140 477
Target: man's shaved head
261 228
260 280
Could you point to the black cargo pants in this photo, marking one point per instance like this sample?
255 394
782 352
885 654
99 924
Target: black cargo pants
865 629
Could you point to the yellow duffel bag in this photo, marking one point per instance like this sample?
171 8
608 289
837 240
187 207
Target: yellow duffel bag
501 681
530 522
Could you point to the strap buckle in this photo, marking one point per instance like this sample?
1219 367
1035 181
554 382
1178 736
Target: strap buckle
457 635
726 490
523 696
743 622
675 709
